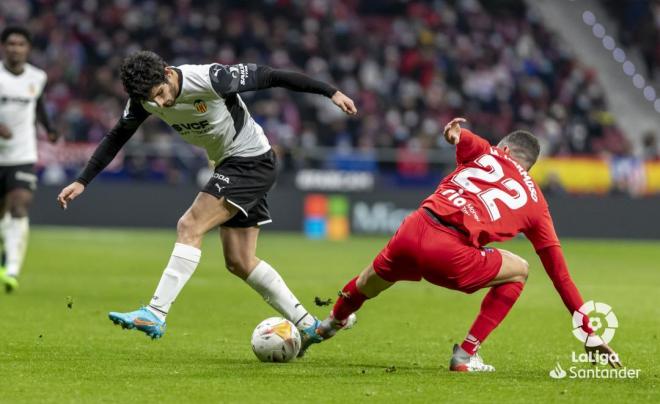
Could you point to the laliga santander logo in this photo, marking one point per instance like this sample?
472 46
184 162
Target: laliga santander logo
598 313
558 372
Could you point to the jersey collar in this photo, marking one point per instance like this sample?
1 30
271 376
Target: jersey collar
4 67
180 74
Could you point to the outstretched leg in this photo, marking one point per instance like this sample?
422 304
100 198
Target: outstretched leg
505 290
205 213
365 286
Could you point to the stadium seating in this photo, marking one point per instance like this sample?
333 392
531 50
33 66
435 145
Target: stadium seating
409 68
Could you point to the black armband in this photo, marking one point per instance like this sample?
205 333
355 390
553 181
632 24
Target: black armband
269 77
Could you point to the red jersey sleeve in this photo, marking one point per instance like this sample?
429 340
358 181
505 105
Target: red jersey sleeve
541 232
556 268
470 146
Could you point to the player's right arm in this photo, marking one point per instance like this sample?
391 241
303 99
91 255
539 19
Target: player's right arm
134 115
469 146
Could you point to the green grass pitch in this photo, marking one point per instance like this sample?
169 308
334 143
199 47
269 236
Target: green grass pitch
398 351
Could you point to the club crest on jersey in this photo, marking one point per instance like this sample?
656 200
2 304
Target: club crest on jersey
200 106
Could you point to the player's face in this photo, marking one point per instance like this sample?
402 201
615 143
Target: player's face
16 49
165 93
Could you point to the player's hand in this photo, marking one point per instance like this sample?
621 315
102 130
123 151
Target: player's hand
53 136
452 130
70 193
344 103
604 349
5 133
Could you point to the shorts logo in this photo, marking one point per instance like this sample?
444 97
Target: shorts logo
30 178
218 186
200 106
221 177
597 312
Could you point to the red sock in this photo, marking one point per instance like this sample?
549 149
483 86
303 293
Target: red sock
349 301
494 308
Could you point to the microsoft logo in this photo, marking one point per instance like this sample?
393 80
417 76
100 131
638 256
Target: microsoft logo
326 216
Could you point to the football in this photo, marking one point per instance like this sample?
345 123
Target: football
276 340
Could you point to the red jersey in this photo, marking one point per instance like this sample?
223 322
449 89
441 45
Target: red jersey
491 197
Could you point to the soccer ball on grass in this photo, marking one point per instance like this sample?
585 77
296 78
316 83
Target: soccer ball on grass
276 340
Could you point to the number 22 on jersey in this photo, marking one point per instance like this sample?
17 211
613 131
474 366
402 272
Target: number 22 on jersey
490 171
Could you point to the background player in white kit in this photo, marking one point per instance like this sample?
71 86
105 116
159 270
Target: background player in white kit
21 104
203 104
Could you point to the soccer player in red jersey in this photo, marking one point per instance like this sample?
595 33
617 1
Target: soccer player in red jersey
490 197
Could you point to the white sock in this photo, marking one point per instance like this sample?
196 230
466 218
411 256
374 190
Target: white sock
16 233
4 224
265 280
180 268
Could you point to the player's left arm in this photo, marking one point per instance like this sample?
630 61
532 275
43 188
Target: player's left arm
42 118
249 77
545 241
555 266
541 233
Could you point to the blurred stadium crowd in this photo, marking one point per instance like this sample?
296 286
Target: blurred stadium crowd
409 67
639 27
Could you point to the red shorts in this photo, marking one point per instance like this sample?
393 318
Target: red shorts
423 248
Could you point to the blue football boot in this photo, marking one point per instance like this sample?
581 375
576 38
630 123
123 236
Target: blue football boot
142 320
322 330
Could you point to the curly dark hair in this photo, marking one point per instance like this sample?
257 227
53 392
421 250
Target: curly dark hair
15 29
140 72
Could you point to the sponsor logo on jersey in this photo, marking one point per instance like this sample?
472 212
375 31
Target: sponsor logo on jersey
244 73
200 106
180 127
239 72
18 100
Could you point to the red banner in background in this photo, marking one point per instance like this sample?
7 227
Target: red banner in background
72 155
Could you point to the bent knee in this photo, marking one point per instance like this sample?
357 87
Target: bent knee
187 229
240 266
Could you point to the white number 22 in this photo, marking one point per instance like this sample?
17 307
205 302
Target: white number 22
491 172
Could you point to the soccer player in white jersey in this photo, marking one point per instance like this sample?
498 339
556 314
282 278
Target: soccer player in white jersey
21 104
202 103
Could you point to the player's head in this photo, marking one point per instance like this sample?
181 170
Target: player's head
522 146
146 77
16 43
